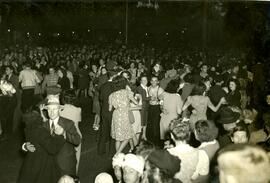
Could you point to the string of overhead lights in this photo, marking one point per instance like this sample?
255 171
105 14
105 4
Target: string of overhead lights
148 4
73 32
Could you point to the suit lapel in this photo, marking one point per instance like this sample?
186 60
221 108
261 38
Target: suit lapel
47 125
143 92
60 122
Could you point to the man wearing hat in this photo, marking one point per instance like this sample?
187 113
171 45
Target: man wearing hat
228 119
66 158
133 166
162 161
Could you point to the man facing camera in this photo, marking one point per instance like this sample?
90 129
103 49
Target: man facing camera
66 158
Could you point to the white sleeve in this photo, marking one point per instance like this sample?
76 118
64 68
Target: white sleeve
20 77
202 167
23 147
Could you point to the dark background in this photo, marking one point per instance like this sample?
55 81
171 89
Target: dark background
203 24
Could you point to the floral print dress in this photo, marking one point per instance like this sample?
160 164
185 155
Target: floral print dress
121 128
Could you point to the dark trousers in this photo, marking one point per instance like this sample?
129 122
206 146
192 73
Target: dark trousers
104 132
8 105
153 127
27 99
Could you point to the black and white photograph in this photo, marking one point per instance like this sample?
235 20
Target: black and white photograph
134 91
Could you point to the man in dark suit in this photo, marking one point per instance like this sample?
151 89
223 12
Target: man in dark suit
215 93
142 89
66 158
106 116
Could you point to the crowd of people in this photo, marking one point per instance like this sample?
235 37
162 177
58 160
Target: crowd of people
173 115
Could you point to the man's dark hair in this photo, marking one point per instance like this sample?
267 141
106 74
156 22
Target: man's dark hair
172 86
206 130
241 126
198 89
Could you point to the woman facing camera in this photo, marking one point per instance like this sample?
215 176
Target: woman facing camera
234 96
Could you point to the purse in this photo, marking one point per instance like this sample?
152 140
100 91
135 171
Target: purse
131 117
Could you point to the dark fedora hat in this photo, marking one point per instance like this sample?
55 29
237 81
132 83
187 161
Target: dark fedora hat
227 115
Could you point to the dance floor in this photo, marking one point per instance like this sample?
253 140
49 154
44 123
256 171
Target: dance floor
11 156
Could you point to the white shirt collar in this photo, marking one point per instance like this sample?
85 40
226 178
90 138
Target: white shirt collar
144 87
204 144
183 147
146 90
55 121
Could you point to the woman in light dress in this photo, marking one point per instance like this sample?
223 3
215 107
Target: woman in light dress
171 106
121 128
200 103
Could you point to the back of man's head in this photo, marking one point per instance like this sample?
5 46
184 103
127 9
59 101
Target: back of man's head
244 164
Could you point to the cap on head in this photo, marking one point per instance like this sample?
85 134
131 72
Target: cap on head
135 162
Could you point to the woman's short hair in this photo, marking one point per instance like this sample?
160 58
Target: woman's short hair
180 129
237 84
198 89
120 83
205 130
172 86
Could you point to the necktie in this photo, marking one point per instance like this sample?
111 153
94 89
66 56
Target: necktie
52 128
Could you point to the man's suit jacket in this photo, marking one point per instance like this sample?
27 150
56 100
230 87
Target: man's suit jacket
104 92
66 158
145 99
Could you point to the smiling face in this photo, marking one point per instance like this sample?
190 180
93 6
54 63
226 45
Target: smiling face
144 81
154 81
239 137
53 111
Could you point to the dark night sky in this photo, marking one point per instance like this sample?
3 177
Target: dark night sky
243 23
